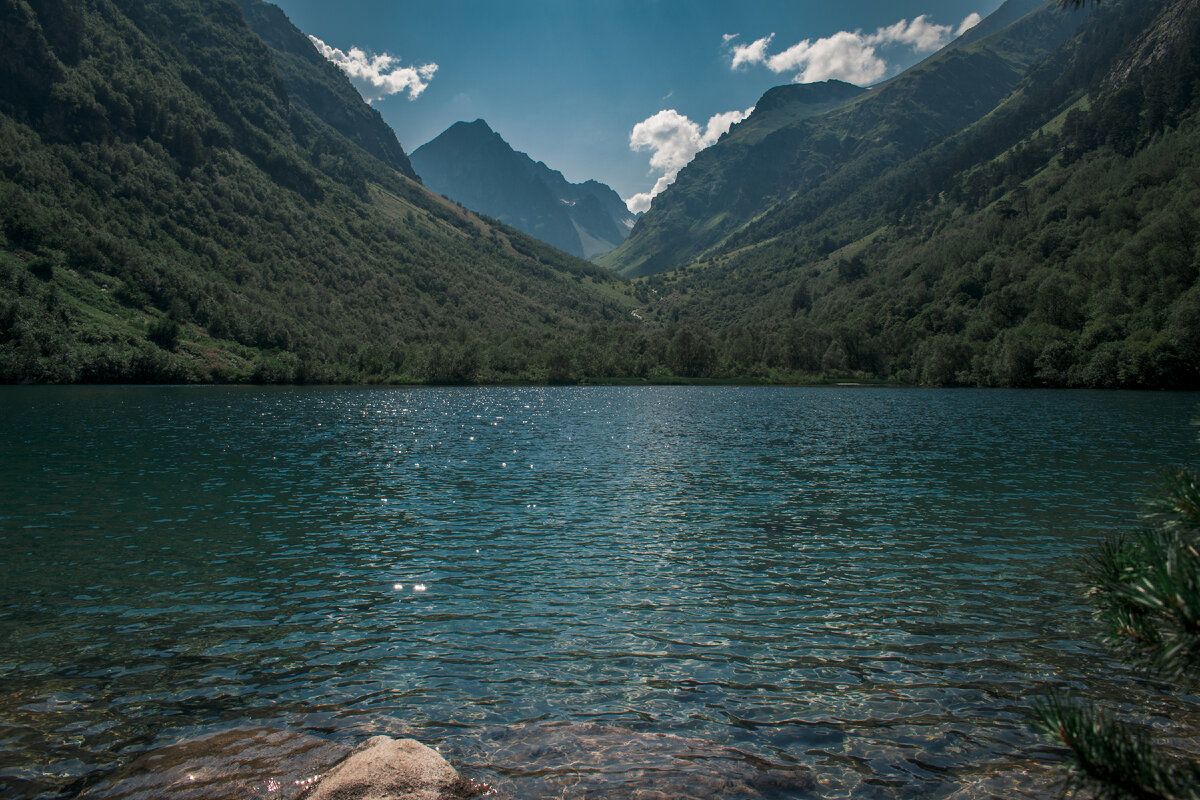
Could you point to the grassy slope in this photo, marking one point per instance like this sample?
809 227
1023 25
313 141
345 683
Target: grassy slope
168 214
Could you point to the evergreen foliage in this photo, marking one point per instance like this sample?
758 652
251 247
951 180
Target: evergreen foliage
818 162
1146 592
1115 760
189 192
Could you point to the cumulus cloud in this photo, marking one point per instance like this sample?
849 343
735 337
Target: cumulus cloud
920 34
379 76
673 140
726 37
970 21
753 53
844 55
851 56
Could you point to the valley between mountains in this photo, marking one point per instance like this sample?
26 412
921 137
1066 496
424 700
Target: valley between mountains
190 192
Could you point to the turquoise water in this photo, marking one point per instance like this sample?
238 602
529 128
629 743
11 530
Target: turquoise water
574 592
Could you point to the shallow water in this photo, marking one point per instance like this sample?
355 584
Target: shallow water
575 592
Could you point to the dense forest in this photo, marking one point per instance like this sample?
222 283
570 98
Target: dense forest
816 149
169 214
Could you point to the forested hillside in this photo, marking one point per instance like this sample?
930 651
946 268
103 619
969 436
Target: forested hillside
1053 241
188 191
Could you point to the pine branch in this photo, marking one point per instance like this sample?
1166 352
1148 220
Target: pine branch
1176 502
1112 759
1146 589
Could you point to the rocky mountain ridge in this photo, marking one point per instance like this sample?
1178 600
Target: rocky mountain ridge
473 165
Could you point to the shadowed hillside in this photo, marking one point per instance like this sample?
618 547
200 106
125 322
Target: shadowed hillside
807 148
188 192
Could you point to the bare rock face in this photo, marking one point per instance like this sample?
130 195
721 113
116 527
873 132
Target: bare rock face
391 769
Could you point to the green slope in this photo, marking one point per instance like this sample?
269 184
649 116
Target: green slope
189 192
790 169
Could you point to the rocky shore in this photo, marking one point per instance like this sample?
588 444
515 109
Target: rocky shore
260 763
579 761
575 760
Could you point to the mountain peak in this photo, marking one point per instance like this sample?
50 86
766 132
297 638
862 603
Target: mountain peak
472 164
479 129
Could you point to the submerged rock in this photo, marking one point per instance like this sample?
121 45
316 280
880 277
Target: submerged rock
236 764
270 764
580 761
391 769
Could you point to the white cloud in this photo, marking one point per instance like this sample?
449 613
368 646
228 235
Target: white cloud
726 37
921 35
844 55
753 53
719 125
674 140
377 77
850 55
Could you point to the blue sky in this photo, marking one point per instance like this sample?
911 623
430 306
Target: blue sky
569 81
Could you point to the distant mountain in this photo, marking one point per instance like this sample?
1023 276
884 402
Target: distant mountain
471 164
190 192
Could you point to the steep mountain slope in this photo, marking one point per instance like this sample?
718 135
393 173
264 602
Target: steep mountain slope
805 164
473 165
1051 242
326 98
189 192
731 181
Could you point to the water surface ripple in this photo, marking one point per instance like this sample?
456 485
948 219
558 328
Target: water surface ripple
577 592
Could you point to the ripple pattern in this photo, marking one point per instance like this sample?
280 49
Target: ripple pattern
863 586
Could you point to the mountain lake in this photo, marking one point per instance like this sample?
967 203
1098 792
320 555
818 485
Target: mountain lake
650 592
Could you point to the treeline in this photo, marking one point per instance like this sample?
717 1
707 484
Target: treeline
1084 276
